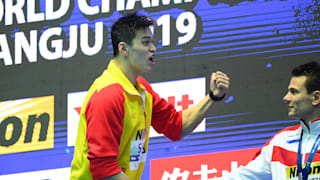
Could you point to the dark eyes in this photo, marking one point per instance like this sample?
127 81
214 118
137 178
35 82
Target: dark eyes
147 43
293 91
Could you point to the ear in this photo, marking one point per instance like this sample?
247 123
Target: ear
316 97
122 47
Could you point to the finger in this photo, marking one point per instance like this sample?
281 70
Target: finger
223 79
222 83
222 75
214 76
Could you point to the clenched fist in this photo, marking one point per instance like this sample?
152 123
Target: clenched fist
219 83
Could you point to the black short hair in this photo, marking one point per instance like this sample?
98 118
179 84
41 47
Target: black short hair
124 29
312 71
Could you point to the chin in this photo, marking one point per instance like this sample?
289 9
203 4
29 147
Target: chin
293 116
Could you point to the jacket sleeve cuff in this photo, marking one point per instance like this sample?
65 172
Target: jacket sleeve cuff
104 167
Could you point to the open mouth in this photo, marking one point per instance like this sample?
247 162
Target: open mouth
151 59
290 107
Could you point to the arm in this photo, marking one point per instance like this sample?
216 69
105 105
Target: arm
104 113
193 116
258 168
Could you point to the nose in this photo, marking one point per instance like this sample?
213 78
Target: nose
152 47
286 98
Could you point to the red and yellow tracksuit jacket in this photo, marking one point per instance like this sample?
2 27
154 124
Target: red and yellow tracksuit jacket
114 126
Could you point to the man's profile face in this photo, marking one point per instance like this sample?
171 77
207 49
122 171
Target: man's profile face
298 100
141 52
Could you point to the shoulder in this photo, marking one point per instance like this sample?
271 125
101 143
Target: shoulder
289 131
286 134
106 102
290 128
110 94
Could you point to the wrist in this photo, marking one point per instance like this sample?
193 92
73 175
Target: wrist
215 98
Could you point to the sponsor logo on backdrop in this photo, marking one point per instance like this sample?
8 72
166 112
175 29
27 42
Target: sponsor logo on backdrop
181 93
203 166
26 124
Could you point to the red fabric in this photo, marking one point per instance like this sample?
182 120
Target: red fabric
103 167
286 157
165 118
104 128
289 158
315 120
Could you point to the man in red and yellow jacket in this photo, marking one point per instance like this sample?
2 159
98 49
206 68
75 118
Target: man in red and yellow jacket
120 107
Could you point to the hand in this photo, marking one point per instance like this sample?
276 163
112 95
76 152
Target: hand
219 83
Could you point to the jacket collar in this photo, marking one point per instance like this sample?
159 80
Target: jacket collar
122 79
314 127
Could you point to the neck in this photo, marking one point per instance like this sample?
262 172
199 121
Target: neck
314 115
126 69
305 122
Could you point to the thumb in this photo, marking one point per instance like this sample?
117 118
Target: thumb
213 81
